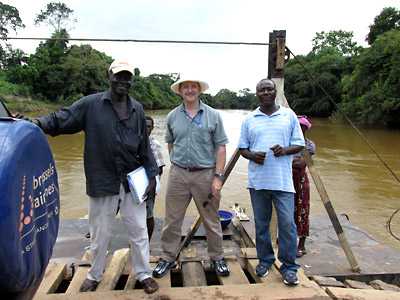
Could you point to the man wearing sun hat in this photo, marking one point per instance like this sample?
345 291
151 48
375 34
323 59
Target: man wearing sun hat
196 142
116 143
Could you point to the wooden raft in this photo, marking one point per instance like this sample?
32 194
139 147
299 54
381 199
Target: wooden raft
193 279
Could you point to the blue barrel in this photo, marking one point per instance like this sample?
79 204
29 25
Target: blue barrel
29 204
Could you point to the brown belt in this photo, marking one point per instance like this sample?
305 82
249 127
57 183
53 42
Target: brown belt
191 169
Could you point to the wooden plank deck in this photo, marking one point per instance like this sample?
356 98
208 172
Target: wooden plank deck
194 282
193 279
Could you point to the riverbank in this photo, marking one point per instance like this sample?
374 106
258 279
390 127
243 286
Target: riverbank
27 105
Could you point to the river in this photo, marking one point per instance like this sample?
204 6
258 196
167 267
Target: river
357 183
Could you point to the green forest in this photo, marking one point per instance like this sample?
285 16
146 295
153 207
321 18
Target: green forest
363 82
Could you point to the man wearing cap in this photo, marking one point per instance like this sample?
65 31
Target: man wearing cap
196 142
269 137
116 143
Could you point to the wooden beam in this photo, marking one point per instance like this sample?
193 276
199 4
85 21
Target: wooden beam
255 291
274 277
79 276
53 276
193 274
114 270
361 294
236 276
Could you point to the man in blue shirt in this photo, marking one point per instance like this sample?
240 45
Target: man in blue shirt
269 137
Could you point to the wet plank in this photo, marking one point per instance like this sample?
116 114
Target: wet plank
114 270
250 253
193 274
254 291
357 284
304 280
79 276
361 294
53 276
236 276
131 281
274 277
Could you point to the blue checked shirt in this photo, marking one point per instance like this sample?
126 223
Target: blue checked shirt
259 133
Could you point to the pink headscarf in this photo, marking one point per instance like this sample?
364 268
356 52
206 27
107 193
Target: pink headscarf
304 121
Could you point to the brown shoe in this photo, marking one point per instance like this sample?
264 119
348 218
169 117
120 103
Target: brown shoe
149 285
89 285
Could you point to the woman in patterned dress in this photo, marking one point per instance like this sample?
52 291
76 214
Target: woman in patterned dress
302 187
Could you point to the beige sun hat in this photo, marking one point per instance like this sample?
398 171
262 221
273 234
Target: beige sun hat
175 85
121 65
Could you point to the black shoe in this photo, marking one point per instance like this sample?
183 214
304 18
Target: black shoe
89 285
220 267
162 268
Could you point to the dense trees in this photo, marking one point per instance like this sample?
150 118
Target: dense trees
310 77
363 82
9 20
387 20
372 91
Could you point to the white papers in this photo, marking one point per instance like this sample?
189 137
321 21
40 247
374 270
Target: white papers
138 183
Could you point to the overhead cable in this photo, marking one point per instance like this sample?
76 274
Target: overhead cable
138 41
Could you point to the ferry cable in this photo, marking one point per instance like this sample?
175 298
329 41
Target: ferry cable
138 41
363 137
389 222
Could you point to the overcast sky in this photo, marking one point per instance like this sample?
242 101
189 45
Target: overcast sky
233 67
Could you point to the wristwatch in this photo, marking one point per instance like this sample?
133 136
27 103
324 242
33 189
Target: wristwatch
219 176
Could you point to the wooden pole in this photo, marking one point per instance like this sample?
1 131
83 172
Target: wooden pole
331 213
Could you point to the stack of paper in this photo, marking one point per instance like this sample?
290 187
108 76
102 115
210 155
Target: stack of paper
138 182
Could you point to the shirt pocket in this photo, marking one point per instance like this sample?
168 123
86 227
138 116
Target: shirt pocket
203 135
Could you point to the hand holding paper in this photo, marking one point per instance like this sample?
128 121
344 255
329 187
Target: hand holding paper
140 185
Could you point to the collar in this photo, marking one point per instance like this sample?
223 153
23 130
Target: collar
258 112
201 107
107 98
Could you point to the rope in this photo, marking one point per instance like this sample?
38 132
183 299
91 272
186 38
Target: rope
363 137
138 41
389 222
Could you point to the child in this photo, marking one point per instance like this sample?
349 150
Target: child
156 149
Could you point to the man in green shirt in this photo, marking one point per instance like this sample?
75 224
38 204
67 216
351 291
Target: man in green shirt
196 143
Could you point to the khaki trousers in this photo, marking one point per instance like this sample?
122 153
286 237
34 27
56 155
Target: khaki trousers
182 187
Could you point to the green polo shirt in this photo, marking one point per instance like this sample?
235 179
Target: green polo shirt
195 140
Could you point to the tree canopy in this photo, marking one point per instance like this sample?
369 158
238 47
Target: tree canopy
341 40
57 14
372 91
387 20
9 20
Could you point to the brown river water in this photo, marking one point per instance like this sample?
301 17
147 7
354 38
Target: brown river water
357 183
